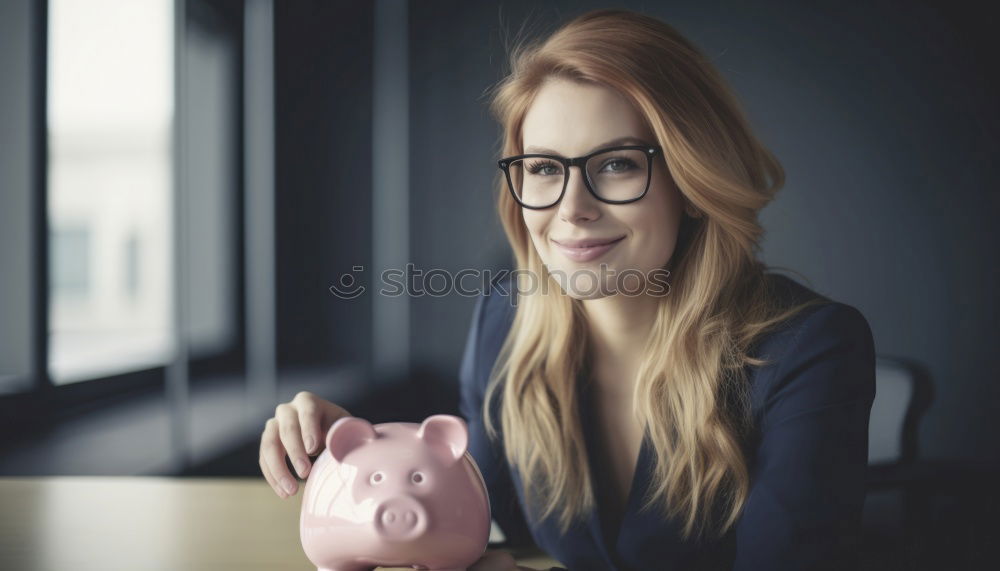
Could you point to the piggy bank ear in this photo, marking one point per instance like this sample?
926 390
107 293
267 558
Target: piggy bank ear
347 434
446 435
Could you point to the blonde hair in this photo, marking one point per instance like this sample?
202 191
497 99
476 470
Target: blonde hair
691 394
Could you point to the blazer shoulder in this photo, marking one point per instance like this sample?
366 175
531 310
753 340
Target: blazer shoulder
833 327
823 356
825 317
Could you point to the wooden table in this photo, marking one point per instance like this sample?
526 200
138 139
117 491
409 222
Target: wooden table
75 523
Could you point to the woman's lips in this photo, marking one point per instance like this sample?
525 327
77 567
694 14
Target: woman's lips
588 253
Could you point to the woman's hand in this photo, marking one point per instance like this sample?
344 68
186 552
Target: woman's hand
497 560
297 429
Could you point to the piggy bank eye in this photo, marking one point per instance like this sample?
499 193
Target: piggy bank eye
417 478
376 478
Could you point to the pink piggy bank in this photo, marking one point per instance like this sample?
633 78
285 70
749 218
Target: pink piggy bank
397 494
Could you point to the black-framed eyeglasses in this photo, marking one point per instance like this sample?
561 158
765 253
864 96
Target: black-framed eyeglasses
615 175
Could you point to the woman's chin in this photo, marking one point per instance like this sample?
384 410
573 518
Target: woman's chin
583 281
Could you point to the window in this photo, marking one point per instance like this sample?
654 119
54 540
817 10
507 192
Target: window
110 80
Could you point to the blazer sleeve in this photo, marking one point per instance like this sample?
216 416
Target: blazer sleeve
808 479
476 363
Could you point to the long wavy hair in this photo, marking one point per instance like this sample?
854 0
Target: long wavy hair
691 390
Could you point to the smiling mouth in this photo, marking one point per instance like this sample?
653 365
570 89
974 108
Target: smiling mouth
582 244
589 252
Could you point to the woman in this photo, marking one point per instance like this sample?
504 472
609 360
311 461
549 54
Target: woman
717 419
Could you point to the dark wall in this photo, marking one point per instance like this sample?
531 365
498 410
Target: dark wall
453 149
323 94
884 117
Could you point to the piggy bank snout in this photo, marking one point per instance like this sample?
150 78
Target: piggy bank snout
400 518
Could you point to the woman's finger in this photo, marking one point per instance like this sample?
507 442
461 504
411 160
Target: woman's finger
310 421
274 456
316 416
271 453
271 481
291 437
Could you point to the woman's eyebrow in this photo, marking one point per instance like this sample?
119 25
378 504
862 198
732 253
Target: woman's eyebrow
611 143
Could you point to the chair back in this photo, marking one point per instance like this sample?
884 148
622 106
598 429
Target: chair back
902 393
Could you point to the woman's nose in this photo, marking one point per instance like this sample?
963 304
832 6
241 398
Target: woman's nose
577 202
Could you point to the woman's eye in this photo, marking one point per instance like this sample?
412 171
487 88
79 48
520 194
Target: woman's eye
376 478
544 168
417 478
618 165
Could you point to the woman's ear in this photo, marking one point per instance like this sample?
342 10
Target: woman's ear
348 433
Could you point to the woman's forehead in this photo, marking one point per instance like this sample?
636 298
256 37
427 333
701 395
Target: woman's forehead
573 118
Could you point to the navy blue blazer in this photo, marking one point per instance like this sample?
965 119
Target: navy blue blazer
807 453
